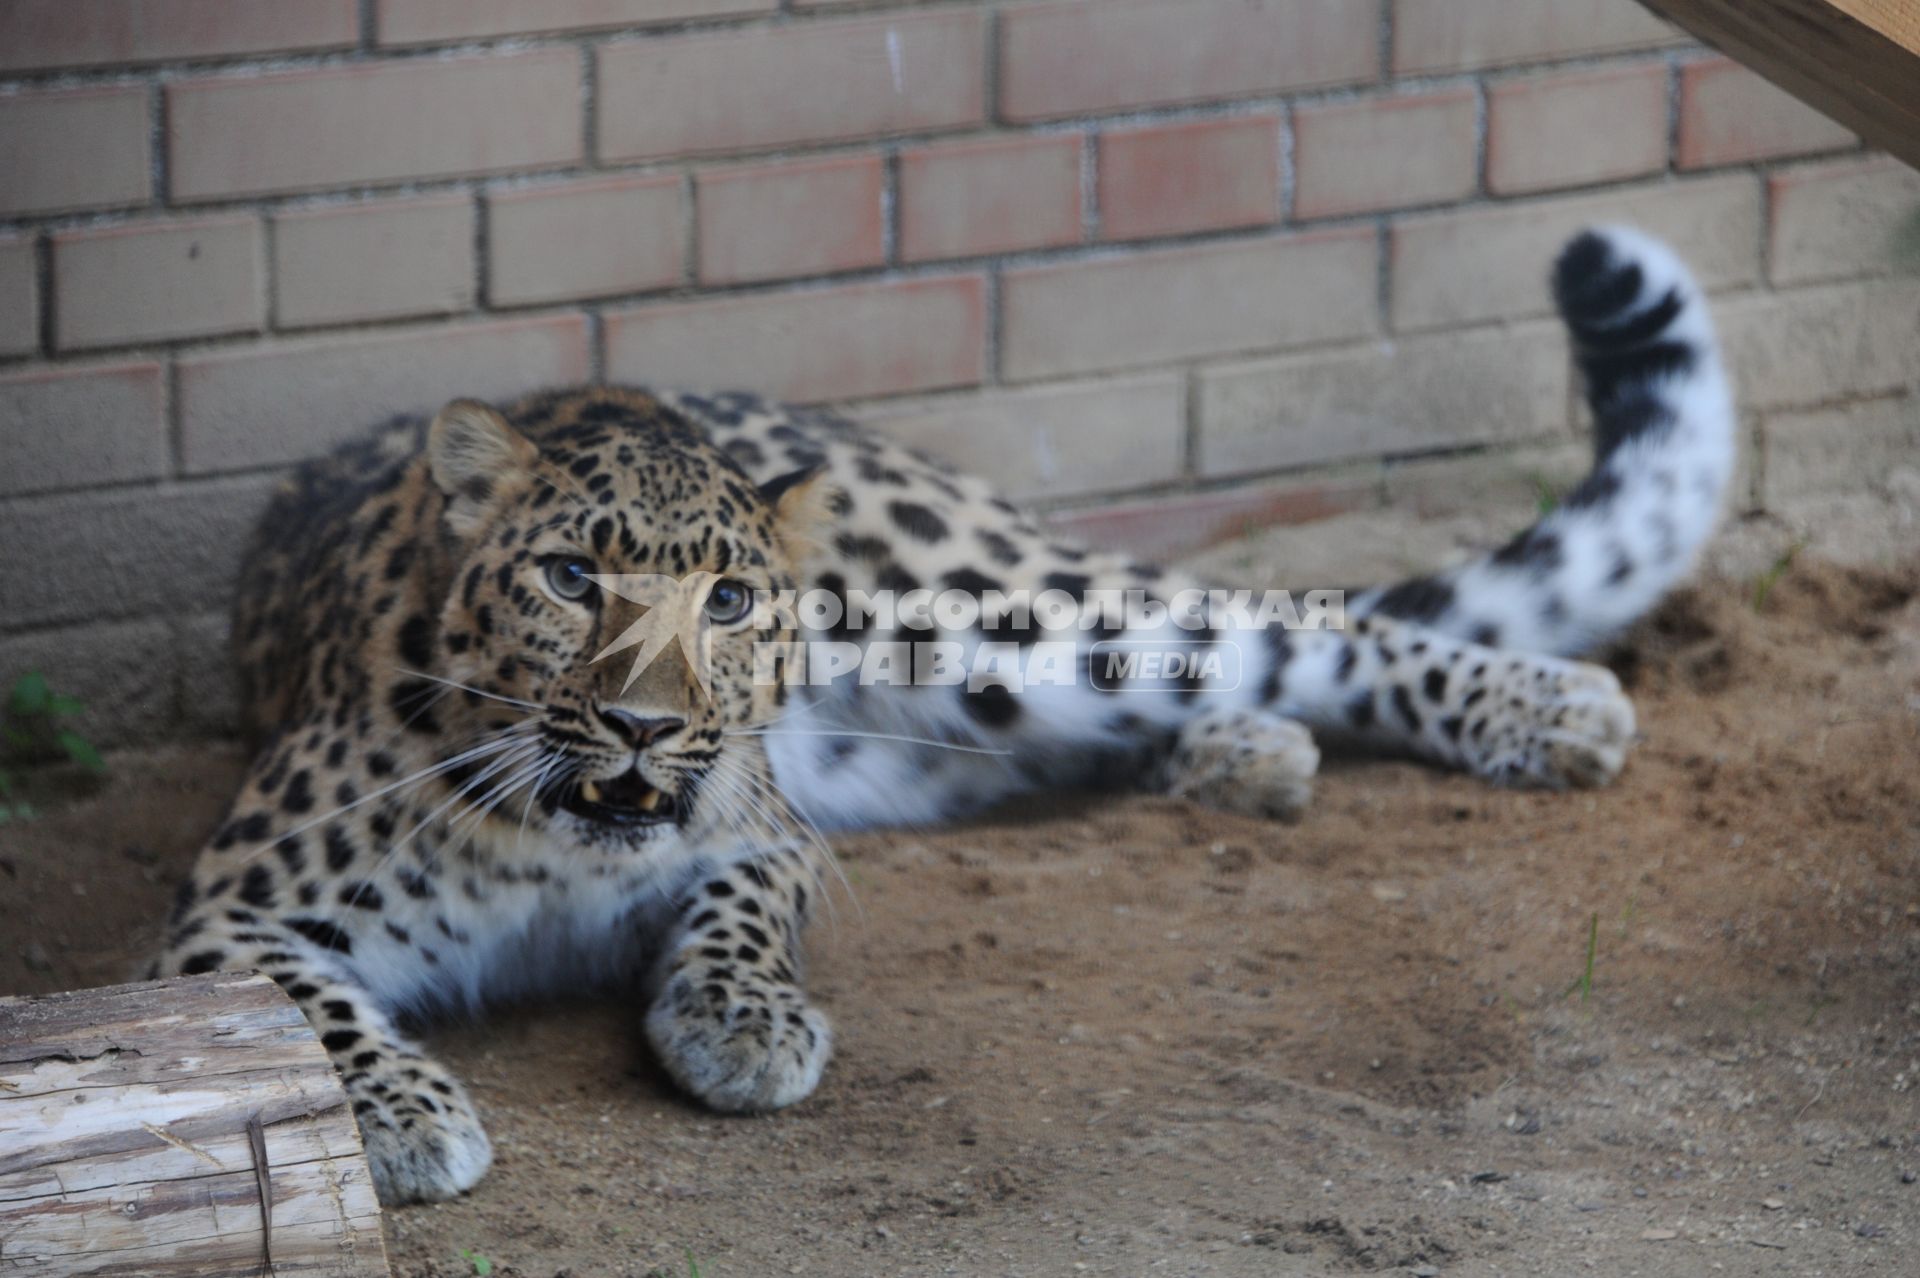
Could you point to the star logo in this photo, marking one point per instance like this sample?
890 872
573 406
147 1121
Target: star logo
675 611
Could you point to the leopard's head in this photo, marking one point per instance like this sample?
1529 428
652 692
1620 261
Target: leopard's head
607 615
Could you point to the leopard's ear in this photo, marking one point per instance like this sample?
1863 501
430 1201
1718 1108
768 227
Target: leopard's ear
802 502
472 452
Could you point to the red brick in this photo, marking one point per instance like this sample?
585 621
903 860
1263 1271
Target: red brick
1814 345
586 239
1411 396
1851 218
1163 529
1385 153
425 21
777 221
128 551
1053 441
1102 55
1729 115
1432 36
958 199
378 260
773 86
836 343
370 124
1503 484
280 401
124 674
157 280
1491 262
210 700
1572 128
37 34
1176 304
1197 176
42 136
19 296
1852 449
82 425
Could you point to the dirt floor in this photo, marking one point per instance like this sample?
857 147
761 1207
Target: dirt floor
1134 1037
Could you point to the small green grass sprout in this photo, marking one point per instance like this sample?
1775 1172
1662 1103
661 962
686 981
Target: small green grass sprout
1584 982
693 1268
1763 586
31 730
1546 498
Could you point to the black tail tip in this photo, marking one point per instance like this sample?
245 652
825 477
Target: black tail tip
1593 282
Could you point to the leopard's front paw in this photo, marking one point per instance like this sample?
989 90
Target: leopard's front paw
1574 729
738 1047
423 1140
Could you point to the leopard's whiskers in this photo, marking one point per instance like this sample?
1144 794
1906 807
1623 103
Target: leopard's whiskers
874 736
734 785
774 727
775 795
467 687
781 813
729 788
568 766
727 806
427 703
493 798
502 741
511 759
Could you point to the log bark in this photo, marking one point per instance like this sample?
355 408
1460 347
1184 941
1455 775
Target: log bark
133 1121
1856 60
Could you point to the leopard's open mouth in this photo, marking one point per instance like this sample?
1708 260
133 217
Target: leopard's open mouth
628 799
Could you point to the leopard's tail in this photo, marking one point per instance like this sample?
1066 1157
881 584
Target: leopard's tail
1663 451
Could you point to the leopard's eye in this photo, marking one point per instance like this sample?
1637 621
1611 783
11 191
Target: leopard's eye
728 601
570 576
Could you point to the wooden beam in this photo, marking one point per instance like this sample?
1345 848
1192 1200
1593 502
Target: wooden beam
182 1127
1856 60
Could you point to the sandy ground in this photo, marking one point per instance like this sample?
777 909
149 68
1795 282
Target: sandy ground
1134 1037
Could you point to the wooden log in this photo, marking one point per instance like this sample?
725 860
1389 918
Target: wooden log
1856 60
140 1125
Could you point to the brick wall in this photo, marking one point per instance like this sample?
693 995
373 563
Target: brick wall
1101 249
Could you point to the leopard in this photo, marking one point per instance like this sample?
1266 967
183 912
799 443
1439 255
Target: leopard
464 794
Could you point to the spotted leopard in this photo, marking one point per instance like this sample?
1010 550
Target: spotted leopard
453 802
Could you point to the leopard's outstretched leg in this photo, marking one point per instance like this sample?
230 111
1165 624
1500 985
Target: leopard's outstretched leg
423 1138
1511 717
731 1022
1453 666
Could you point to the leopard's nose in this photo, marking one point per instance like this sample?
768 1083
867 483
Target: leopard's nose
639 730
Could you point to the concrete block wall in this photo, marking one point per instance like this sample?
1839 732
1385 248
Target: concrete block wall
1103 250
